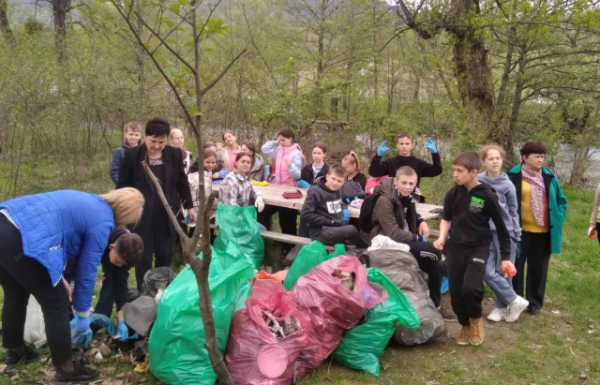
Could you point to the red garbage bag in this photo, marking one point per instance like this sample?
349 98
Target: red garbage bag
254 354
333 304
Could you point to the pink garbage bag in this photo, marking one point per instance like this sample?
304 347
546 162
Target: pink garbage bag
334 295
266 337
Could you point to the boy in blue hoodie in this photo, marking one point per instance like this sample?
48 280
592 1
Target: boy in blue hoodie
131 137
509 305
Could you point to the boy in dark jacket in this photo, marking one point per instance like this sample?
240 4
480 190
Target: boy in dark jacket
405 144
131 138
327 217
395 216
469 206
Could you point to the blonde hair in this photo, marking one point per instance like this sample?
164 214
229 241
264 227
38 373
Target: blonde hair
133 126
174 131
353 159
483 153
127 204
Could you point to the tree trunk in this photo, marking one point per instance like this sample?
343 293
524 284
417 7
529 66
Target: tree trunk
60 8
4 24
580 157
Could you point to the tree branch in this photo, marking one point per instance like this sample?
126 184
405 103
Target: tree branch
231 63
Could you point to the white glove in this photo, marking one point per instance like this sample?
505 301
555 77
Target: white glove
259 204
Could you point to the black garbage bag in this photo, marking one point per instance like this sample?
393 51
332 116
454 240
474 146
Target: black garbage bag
156 280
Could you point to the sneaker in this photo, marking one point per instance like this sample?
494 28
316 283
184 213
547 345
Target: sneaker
465 336
497 315
28 357
534 310
446 315
476 331
79 374
515 308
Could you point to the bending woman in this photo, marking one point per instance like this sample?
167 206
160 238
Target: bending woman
38 234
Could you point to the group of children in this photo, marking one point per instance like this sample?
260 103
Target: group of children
491 221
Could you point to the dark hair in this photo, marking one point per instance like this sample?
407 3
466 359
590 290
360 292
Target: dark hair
405 170
130 248
250 146
158 127
321 146
353 159
533 147
468 159
404 135
208 145
195 167
287 133
338 170
243 154
228 132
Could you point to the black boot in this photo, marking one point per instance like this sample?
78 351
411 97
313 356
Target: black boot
80 373
27 357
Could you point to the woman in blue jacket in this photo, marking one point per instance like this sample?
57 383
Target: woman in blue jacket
38 234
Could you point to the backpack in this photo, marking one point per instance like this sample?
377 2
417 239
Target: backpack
365 219
351 190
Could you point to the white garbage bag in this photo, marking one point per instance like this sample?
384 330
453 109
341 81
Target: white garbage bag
35 328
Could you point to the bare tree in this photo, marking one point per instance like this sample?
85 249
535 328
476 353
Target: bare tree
60 9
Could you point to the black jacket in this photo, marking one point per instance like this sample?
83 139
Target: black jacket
361 179
322 208
176 186
388 215
390 166
115 275
470 213
308 175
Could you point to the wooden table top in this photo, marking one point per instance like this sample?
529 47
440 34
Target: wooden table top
272 195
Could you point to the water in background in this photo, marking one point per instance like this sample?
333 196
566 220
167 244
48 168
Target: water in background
563 161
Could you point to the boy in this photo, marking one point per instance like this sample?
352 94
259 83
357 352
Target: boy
326 216
542 212
509 305
129 247
469 206
131 138
405 144
395 216
219 146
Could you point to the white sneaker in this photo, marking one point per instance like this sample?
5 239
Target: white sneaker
497 315
515 308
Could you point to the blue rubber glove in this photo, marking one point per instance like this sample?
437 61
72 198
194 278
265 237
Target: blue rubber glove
123 330
382 148
223 173
430 145
83 324
423 239
303 184
345 217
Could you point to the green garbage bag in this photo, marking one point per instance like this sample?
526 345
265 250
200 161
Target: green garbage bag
361 346
310 256
239 224
176 345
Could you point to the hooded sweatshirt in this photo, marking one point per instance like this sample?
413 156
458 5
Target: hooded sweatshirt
258 173
117 158
322 208
470 212
507 199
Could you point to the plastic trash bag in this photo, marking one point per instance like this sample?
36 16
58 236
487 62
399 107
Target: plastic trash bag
402 269
310 256
361 346
97 322
176 345
35 327
239 224
331 306
254 354
155 280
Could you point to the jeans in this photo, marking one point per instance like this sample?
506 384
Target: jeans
20 277
495 278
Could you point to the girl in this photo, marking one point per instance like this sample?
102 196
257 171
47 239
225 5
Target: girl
257 172
316 169
289 162
509 305
237 188
352 166
594 230
177 140
210 162
226 156
38 235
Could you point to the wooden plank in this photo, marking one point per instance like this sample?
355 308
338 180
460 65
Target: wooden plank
272 195
285 238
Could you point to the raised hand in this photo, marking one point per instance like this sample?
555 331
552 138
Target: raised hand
382 148
430 145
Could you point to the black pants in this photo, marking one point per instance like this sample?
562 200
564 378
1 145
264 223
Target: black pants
159 239
287 219
598 231
430 262
331 236
20 277
535 252
466 269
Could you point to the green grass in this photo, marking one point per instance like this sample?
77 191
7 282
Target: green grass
552 348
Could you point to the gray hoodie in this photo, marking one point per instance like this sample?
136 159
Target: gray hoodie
507 198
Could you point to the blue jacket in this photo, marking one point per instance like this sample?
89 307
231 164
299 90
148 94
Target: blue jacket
117 158
60 225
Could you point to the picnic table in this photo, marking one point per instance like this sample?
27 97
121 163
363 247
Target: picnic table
272 195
